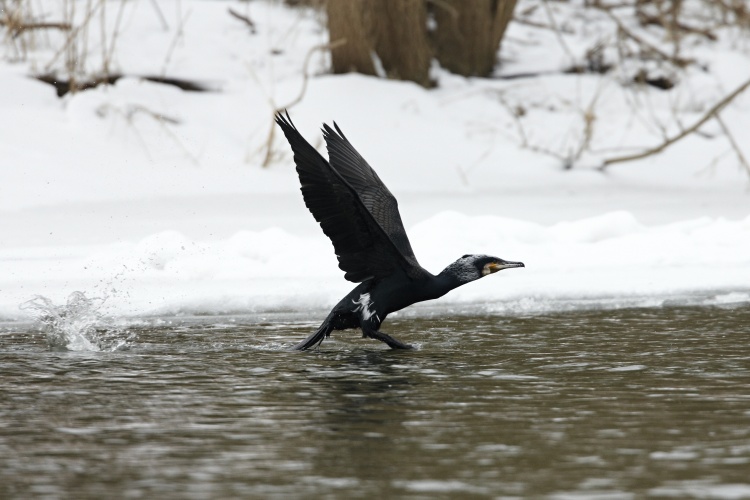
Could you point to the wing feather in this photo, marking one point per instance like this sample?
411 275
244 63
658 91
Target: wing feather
375 196
363 248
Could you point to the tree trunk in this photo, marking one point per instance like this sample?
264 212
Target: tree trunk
399 32
393 32
469 33
392 36
346 22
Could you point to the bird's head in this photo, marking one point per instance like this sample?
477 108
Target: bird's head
472 267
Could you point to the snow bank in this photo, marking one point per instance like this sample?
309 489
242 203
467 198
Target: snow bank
610 260
155 199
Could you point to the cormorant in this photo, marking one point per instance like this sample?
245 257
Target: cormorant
360 216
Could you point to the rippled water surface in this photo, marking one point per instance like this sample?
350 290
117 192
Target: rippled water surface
625 403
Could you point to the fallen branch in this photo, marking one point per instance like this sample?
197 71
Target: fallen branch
64 86
711 113
19 27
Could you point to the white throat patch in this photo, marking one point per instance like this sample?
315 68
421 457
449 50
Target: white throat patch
465 269
364 307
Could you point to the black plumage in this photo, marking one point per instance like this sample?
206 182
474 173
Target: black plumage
360 216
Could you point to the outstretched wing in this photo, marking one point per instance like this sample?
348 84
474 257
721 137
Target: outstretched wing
378 200
363 247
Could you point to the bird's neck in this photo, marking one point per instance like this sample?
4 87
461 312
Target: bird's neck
447 281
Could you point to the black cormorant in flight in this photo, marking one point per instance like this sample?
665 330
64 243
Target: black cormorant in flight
360 216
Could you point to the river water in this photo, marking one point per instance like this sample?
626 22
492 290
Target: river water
625 403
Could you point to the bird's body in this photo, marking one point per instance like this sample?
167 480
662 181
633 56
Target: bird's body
360 216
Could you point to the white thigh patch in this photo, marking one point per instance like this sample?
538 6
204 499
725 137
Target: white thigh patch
364 307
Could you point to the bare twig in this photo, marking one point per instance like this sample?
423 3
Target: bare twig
244 19
646 19
515 114
72 36
589 119
179 34
305 75
113 41
711 113
133 109
535 24
558 31
163 121
160 14
619 5
735 146
677 61
300 96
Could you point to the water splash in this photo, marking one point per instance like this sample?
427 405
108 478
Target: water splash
78 325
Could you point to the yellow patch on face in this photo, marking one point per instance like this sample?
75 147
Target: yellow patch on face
489 268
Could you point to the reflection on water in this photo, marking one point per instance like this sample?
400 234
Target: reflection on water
605 404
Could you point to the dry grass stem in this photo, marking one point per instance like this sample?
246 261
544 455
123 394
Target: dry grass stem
73 36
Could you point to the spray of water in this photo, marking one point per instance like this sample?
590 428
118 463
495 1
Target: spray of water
78 325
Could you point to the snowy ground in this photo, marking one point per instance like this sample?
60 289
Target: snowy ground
177 215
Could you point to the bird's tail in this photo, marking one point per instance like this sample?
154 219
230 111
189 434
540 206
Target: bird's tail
317 337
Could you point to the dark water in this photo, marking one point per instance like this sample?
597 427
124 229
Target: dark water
626 403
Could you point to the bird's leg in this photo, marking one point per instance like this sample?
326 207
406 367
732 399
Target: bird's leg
384 337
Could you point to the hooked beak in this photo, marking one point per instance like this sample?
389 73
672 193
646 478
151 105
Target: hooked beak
503 264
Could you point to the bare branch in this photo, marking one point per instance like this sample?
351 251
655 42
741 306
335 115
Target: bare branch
179 35
711 113
677 61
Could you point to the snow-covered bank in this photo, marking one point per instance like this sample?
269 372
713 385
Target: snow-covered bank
156 199
609 260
